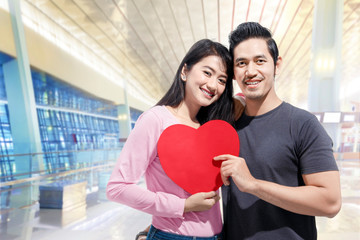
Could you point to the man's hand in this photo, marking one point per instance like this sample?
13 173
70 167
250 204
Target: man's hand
236 168
201 201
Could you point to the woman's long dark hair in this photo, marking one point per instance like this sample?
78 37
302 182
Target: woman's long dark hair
221 109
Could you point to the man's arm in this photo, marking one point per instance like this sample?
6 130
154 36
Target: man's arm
239 106
321 195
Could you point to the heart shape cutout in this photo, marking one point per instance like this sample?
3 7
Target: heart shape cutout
186 154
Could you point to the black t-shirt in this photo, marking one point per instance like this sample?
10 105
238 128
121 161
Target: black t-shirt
278 146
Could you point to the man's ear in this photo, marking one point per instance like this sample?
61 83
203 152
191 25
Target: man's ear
278 66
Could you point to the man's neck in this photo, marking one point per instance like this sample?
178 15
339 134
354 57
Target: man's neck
260 107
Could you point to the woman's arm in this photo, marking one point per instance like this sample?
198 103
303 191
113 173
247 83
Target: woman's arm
138 153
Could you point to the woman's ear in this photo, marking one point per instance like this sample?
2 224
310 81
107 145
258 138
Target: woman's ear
183 72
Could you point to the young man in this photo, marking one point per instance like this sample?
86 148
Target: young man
286 173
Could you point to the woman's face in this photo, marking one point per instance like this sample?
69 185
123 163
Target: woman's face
205 81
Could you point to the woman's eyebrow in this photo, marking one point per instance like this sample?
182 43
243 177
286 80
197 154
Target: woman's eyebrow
212 70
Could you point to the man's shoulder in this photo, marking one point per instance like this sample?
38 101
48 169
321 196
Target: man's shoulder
301 119
297 113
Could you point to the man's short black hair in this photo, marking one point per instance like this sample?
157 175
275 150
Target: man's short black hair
249 30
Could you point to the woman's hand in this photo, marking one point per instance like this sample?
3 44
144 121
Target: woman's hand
201 201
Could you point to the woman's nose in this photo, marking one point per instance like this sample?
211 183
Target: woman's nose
211 84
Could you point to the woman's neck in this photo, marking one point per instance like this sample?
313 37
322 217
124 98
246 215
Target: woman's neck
185 114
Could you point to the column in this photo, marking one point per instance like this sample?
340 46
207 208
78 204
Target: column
326 63
21 100
124 116
25 131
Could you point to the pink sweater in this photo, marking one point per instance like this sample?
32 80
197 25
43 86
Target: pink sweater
163 198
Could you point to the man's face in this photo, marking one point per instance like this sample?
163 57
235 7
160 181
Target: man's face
254 69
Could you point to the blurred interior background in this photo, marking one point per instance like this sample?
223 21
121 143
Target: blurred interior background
76 74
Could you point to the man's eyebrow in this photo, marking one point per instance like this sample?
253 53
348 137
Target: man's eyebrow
239 59
261 56
256 57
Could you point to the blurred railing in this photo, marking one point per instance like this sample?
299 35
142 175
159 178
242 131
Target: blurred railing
20 194
81 160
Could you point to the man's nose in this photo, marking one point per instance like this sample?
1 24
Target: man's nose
251 69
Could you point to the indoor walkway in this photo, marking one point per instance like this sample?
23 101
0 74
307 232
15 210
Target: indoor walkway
108 220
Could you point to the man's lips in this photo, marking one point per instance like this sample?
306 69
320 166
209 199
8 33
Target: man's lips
252 82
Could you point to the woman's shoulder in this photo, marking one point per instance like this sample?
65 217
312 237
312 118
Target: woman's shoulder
159 111
157 117
156 113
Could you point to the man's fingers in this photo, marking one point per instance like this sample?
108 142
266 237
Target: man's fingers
222 157
227 166
226 171
224 178
226 181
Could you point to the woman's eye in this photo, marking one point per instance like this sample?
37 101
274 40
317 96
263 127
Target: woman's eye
222 81
207 73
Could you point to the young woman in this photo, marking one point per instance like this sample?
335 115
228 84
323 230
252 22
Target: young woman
202 90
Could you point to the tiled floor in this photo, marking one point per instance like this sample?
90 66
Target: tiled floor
103 221
346 224
108 220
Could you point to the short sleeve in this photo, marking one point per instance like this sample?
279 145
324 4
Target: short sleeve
315 148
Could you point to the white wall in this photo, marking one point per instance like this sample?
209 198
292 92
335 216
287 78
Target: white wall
49 58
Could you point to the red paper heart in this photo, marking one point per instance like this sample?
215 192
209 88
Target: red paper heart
186 154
